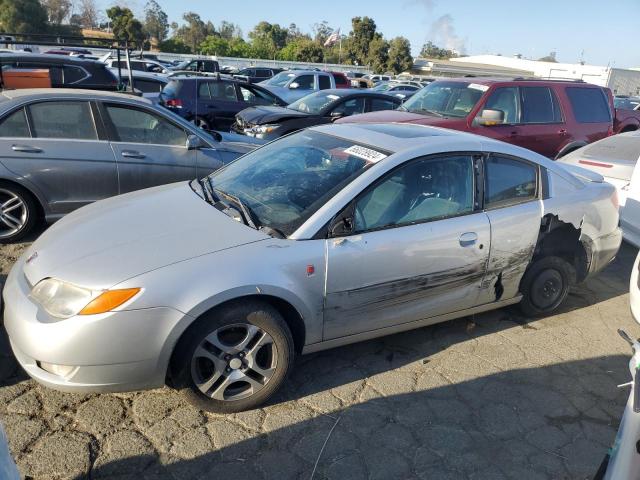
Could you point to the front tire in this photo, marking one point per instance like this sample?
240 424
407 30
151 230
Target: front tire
545 286
18 212
235 358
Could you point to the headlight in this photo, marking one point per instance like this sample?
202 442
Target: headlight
63 300
262 129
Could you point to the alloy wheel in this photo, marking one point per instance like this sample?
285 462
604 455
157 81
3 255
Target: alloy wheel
234 362
13 213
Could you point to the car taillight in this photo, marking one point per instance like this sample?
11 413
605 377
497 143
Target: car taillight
173 102
614 199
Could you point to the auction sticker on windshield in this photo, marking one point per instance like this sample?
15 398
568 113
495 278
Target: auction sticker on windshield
365 153
477 86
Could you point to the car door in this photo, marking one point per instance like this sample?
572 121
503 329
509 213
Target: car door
512 202
543 129
55 146
419 248
150 149
219 103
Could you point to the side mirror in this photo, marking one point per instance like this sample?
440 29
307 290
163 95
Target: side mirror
294 85
194 142
341 226
336 115
489 118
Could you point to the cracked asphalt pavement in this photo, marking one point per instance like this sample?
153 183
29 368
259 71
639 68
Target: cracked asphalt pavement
489 397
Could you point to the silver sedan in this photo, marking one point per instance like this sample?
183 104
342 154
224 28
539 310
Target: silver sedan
329 236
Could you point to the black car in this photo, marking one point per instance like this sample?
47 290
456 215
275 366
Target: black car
257 74
64 71
325 106
211 102
197 65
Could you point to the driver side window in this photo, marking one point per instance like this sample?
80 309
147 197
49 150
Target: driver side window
137 126
506 100
420 191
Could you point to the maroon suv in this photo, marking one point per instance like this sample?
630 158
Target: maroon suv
551 117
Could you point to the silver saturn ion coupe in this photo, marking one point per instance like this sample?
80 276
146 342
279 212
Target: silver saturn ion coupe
328 236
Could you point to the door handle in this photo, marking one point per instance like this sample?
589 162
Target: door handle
562 132
212 107
467 239
514 133
132 154
25 149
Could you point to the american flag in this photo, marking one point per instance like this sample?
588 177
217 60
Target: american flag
333 38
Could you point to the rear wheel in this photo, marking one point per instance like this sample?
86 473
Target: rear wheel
18 212
236 359
545 285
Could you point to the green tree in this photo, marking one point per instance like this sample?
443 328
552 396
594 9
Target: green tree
174 45
309 51
321 32
378 56
194 31
126 27
362 35
57 10
268 39
400 59
22 16
215 45
156 21
431 50
228 30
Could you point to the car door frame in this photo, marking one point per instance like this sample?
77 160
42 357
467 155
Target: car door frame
385 98
508 261
328 232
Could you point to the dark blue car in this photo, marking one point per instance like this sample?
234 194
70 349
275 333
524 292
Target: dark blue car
212 102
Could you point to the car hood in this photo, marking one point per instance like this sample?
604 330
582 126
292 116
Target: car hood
267 114
396 116
105 243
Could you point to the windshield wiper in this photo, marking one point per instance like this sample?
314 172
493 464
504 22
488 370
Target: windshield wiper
246 211
432 112
207 187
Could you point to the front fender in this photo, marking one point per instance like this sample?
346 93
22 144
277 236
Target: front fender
273 267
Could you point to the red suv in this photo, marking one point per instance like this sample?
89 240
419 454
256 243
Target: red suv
551 117
341 80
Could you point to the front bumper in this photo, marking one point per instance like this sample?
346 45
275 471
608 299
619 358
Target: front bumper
116 351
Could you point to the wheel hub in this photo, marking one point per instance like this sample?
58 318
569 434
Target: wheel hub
234 362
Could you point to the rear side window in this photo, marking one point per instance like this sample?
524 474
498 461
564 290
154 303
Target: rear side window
63 120
539 105
324 82
73 74
147 86
589 105
15 125
509 182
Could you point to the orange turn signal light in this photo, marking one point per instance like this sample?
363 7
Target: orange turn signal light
107 301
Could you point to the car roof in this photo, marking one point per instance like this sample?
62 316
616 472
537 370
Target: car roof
505 80
394 137
51 58
28 94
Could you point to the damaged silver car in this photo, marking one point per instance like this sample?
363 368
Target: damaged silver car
325 237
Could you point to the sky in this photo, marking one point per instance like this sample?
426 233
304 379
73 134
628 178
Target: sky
600 33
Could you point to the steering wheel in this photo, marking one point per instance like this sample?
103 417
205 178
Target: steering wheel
268 178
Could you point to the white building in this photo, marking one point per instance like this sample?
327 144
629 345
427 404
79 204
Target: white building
621 81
